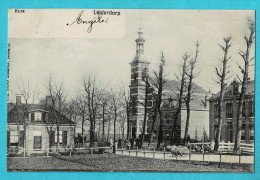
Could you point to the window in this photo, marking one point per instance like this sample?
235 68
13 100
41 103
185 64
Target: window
144 74
134 105
32 116
14 138
230 129
251 109
229 110
135 75
38 116
64 138
243 136
243 109
216 110
60 137
43 116
251 132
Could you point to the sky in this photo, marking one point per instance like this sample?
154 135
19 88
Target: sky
172 32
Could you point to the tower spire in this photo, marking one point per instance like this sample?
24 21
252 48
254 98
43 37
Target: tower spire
140 20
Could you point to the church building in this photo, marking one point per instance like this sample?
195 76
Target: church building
199 120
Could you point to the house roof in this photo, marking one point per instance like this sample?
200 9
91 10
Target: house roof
12 108
229 90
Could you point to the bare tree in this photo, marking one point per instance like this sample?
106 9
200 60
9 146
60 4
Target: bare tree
160 82
183 70
145 105
92 95
191 75
126 104
222 74
81 105
57 105
110 108
73 112
29 95
104 108
244 70
122 126
116 109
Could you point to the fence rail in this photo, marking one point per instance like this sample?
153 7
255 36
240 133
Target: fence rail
69 150
192 157
227 147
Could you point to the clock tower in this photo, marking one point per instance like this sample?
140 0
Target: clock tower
139 69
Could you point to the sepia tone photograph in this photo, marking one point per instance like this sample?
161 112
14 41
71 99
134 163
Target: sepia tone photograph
131 90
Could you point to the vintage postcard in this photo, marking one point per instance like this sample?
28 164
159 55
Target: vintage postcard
120 90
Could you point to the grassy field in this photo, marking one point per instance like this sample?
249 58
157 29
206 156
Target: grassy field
110 163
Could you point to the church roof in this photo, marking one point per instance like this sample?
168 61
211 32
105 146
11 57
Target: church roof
171 90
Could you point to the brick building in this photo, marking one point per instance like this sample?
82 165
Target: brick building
41 130
199 119
230 104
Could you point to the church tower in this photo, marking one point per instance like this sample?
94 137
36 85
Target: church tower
139 69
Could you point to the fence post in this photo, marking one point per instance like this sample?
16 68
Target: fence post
239 156
190 154
129 152
203 153
153 152
122 152
164 153
136 151
219 159
144 152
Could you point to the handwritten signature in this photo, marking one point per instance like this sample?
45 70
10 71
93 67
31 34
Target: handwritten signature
99 19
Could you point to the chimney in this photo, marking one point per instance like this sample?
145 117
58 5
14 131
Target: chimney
48 101
206 101
18 99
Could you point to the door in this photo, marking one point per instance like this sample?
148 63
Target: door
37 142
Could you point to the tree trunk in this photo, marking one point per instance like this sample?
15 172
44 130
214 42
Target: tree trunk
92 133
114 149
58 136
187 124
249 42
153 123
127 121
175 136
145 113
82 131
221 95
160 134
103 125
108 129
189 93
